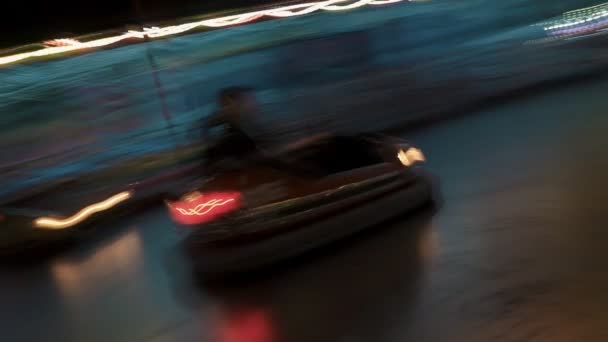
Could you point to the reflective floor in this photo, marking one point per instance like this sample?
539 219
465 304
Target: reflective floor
516 254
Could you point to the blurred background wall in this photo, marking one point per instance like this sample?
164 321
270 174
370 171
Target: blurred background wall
366 69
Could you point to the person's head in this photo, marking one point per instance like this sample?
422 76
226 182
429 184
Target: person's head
238 101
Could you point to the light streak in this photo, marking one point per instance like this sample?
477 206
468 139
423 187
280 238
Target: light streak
62 42
65 45
204 208
64 49
410 157
580 21
55 223
602 14
359 4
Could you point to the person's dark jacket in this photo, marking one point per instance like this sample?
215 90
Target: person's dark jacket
233 142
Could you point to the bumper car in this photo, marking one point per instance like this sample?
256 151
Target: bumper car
270 209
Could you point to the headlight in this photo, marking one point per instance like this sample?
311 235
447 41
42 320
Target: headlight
410 156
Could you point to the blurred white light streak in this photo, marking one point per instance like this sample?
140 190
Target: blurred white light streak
61 42
581 16
72 45
54 223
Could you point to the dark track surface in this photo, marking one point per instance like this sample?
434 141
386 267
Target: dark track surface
518 253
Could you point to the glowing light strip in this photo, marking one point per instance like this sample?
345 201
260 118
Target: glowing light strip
71 45
208 205
602 14
54 223
580 10
569 22
360 4
61 42
63 49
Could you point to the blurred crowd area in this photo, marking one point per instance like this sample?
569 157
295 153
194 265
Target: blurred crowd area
368 69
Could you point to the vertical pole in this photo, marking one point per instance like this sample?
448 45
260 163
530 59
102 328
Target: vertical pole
155 75
160 91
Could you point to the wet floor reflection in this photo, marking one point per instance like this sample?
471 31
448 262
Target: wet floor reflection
354 289
523 224
238 324
53 299
120 259
104 289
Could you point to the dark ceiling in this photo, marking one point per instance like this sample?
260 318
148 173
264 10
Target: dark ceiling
29 21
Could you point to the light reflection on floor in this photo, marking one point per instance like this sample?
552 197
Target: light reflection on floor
121 258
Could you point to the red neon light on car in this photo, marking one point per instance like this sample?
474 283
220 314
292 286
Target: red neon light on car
202 208
254 325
